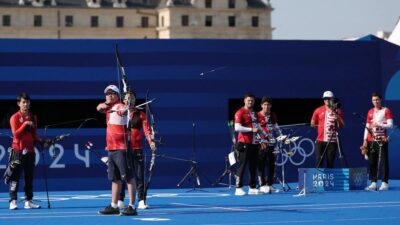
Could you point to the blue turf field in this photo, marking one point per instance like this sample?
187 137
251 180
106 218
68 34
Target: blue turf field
215 206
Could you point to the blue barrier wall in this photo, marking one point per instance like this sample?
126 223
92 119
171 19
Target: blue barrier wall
193 81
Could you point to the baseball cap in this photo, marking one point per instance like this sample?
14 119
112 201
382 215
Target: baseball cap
111 87
328 94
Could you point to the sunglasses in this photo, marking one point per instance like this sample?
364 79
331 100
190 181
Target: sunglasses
111 93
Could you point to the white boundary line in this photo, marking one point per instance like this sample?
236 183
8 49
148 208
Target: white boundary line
308 221
41 213
369 218
191 207
213 207
43 217
271 222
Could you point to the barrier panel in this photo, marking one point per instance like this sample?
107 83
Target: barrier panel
345 179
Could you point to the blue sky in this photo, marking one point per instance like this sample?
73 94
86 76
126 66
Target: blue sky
332 19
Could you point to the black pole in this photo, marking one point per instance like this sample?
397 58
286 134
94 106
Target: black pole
45 179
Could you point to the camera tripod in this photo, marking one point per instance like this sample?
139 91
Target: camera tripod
193 174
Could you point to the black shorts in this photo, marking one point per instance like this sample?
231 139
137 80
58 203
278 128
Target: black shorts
118 169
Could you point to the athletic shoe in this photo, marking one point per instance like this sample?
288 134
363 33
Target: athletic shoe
265 189
129 211
372 187
142 205
240 192
109 210
121 204
273 189
30 205
384 186
13 205
254 191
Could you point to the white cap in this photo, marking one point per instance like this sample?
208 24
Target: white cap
111 87
328 94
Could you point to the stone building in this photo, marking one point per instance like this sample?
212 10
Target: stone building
109 19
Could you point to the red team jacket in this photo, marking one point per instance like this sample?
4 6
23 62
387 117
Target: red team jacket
378 116
326 123
138 120
116 134
267 122
243 117
24 136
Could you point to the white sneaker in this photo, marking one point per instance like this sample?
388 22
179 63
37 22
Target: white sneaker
254 191
265 189
142 205
31 205
121 204
273 189
371 187
240 192
13 205
384 186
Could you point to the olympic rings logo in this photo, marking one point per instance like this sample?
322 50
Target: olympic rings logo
296 153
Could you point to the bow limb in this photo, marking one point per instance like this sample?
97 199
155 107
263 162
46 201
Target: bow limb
150 117
122 69
126 87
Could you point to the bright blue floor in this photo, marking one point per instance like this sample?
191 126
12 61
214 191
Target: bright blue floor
216 206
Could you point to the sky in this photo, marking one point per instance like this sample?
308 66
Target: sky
332 19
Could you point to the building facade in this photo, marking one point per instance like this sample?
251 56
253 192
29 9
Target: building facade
110 19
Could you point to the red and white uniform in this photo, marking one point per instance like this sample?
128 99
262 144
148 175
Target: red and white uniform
24 136
117 135
248 120
325 119
383 117
138 120
267 122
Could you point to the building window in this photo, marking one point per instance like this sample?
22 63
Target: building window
185 20
231 4
162 21
208 22
145 21
120 21
94 21
69 21
37 20
208 3
254 21
6 20
232 21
